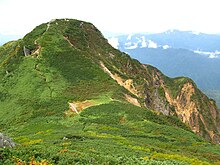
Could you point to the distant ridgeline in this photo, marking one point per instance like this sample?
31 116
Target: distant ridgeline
178 53
6 38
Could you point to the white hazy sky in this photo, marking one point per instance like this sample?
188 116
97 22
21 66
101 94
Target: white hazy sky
18 17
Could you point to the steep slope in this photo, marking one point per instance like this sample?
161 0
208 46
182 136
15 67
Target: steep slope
192 106
64 91
203 70
178 53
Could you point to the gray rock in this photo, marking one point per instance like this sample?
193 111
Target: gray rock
26 51
6 141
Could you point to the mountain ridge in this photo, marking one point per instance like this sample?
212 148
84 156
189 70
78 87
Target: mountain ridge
69 62
127 68
174 39
178 56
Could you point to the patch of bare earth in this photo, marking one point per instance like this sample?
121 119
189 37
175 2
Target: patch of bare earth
77 107
127 84
183 104
132 100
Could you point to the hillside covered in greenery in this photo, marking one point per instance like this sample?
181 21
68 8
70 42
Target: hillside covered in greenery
68 97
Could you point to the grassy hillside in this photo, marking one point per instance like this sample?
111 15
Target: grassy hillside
109 133
62 69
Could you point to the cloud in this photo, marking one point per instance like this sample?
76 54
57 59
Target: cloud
213 56
114 42
152 44
209 54
166 46
20 17
129 37
143 43
130 45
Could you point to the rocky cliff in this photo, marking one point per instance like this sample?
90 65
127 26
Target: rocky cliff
193 107
177 97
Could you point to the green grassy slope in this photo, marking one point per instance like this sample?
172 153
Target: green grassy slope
35 91
116 133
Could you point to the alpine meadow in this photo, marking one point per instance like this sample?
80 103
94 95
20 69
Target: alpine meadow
68 97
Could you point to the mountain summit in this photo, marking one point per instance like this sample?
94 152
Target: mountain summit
64 85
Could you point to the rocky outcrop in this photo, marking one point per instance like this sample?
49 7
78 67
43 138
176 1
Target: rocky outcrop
176 97
182 98
127 84
196 110
26 51
6 141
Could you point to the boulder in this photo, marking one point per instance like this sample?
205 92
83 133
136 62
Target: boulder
6 141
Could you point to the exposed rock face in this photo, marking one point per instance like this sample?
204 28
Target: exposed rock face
184 106
191 106
127 84
200 115
6 141
26 51
154 93
132 100
177 97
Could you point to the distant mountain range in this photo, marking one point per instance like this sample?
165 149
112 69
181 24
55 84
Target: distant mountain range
7 38
178 53
171 39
